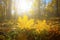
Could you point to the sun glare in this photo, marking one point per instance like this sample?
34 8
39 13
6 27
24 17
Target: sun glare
23 5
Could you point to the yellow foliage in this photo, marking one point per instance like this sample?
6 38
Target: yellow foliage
41 25
25 22
38 25
30 23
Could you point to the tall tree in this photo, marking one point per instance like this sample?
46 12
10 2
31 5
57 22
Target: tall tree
5 9
51 8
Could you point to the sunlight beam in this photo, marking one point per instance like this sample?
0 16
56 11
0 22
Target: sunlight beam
23 5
